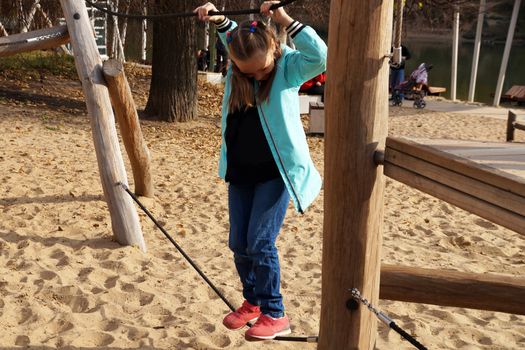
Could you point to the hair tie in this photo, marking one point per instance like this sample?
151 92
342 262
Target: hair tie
253 25
229 37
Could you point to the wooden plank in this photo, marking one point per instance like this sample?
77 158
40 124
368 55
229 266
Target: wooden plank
487 174
515 92
436 90
128 119
484 153
355 126
124 218
41 39
462 183
460 199
490 292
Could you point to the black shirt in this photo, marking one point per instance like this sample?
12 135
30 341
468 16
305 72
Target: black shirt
248 155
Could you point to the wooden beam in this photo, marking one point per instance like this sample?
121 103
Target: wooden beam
128 120
495 177
124 218
41 39
490 292
468 185
460 199
356 125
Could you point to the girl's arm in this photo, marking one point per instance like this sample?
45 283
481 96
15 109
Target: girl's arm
309 59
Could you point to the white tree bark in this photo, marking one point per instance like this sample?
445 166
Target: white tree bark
455 44
506 52
475 56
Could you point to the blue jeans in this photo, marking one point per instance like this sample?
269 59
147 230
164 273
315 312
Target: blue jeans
396 78
256 215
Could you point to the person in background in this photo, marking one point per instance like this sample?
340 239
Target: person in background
397 71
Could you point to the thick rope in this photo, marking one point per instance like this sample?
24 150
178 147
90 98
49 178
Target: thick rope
184 14
309 339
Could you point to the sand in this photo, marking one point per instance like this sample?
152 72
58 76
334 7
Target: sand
64 282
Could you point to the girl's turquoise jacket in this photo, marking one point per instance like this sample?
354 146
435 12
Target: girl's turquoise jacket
280 116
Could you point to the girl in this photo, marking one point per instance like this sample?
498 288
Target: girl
264 154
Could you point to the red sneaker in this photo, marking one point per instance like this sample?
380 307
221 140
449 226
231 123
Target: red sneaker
267 327
238 318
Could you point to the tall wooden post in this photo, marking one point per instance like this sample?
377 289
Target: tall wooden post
356 126
124 218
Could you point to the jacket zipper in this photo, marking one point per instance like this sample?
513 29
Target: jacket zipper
280 158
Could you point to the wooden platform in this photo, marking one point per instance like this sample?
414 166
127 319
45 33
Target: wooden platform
484 178
515 93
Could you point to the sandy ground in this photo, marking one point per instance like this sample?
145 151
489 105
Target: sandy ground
64 283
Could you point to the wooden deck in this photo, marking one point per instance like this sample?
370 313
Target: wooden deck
484 178
515 93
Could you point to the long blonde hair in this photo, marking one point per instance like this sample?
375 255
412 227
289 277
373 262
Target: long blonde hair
245 41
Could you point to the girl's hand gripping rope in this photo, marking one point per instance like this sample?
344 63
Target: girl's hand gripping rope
278 15
203 12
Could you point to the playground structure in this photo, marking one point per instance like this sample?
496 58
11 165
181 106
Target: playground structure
356 135
79 32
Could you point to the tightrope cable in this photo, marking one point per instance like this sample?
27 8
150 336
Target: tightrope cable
386 320
184 14
309 339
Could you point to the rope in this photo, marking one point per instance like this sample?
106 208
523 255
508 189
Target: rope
386 320
399 23
184 14
308 339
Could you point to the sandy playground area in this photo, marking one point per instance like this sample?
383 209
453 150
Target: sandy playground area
65 284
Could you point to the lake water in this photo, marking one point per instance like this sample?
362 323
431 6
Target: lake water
440 56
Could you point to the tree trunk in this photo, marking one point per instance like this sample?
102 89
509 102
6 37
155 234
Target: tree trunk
173 90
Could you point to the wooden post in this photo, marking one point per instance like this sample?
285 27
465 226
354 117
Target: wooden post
477 46
42 39
356 126
506 52
455 44
124 218
128 120
511 119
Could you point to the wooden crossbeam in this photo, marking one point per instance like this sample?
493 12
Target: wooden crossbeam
41 39
483 190
490 292
489 175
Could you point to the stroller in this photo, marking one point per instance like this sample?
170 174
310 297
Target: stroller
414 88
